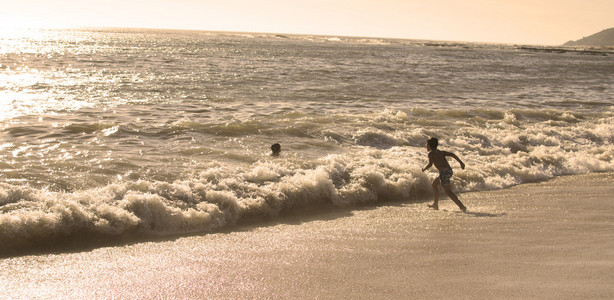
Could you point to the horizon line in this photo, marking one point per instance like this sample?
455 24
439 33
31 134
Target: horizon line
267 33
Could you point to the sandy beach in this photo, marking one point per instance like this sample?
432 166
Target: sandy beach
549 240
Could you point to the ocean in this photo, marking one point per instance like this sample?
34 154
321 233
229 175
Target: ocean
125 134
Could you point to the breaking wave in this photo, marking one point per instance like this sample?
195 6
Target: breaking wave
378 167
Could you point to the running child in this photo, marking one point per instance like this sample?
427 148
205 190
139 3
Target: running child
438 158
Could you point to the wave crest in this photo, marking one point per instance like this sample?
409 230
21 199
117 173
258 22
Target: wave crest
382 165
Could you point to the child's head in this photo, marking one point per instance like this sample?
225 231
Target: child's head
276 148
432 144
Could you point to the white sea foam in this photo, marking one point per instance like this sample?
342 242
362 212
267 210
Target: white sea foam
497 157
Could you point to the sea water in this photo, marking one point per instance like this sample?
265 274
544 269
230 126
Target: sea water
134 133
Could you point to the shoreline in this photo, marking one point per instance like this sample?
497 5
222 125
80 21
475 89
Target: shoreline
550 239
87 241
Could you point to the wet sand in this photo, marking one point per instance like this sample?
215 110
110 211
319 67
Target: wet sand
550 240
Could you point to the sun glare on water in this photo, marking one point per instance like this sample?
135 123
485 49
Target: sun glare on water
15 26
27 87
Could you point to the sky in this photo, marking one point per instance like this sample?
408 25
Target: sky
535 22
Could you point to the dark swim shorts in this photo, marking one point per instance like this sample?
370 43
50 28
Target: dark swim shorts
444 176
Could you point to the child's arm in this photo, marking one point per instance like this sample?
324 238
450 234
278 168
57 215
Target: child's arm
462 164
429 165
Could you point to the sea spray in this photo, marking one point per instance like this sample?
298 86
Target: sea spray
221 196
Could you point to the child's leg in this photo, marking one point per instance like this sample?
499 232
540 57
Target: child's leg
452 196
435 186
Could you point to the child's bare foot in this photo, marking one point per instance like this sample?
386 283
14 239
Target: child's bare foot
434 206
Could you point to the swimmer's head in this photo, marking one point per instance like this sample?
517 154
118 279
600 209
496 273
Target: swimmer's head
275 148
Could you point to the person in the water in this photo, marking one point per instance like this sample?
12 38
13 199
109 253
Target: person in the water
275 149
438 158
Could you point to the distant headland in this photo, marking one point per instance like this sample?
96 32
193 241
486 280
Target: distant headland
604 38
601 43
